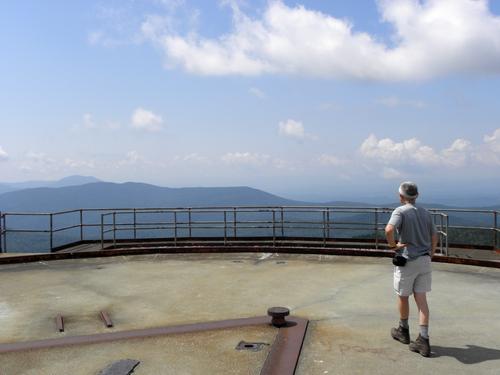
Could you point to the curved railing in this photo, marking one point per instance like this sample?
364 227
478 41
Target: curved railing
321 225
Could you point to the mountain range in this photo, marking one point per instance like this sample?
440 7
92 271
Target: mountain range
66 181
68 194
88 192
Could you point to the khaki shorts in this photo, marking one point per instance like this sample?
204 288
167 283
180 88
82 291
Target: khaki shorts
414 277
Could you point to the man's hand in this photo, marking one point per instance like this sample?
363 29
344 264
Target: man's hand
398 246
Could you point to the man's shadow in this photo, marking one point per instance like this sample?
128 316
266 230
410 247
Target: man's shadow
470 355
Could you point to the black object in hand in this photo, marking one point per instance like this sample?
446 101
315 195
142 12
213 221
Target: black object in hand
399 260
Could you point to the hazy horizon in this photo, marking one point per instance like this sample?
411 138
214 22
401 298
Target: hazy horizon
459 199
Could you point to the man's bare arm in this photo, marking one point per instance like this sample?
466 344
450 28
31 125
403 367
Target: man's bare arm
435 239
389 235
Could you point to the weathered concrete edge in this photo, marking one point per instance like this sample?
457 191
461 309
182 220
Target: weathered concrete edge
31 258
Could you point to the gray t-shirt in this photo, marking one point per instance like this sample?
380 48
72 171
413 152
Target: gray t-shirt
415 228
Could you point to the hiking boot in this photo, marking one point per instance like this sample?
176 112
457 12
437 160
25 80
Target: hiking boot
401 334
421 346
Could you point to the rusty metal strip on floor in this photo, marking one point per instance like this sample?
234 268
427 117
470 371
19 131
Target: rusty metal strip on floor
134 334
285 352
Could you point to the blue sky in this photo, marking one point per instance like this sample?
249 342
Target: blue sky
307 99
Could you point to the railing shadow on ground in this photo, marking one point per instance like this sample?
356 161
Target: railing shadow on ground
470 355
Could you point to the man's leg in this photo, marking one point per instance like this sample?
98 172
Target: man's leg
421 344
403 307
423 312
402 333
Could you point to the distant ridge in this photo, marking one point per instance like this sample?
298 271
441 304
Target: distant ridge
77 192
131 194
66 181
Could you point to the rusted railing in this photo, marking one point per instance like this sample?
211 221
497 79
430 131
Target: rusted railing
319 223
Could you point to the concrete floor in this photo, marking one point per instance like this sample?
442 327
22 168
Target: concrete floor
348 300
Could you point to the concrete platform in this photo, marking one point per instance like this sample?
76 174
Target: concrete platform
348 300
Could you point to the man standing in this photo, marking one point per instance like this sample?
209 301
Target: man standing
417 244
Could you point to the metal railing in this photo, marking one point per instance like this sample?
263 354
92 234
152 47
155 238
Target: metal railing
231 225
322 224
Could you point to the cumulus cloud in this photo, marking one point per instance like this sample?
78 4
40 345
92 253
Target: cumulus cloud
193 157
391 174
40 158
292 129
413 151
331 160
394 102
88 122
493 141
257 92
431 38
146 120
245 158
3 155
489 152
78 164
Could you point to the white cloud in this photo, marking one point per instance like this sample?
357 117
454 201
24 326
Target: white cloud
292 129
146 120
286 165
431 38
40 158
331 160
78 164
3 154
489 152
88 121
247 158
194 157
133 157
391 174
394 102
458 153
493 141
257 93
413 151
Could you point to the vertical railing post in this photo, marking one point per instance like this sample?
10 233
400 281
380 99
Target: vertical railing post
102 231
441 224
51 229
282 223
495 234
225 227
446 237
234 222
324 228
328 223
81 225
376 228
114 229
175 228
189 222
1 232
274 228
4 232
135 223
